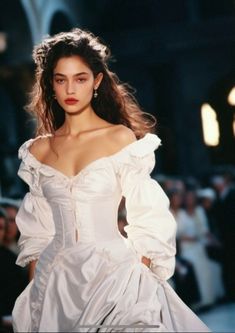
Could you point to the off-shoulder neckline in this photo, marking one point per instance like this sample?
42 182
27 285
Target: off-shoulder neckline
128 147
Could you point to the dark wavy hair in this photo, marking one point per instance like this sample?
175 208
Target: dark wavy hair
115 103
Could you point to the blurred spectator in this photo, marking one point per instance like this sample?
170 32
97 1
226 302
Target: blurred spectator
225 213
185 282
12 233
207 198
176 201
192 235
12 278
184 278
172 183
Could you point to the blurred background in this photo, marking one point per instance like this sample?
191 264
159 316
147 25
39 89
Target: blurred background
179 55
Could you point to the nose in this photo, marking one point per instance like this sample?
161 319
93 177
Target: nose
70 88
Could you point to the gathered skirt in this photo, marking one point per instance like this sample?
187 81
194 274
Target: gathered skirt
85 289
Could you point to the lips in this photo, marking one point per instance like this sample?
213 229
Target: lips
71 101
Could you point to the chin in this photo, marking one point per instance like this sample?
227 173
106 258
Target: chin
74 109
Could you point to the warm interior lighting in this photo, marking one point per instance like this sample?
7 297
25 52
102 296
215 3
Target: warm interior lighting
231 97
3 42
210 125
234 125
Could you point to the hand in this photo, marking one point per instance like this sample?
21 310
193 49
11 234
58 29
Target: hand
146 261
31 268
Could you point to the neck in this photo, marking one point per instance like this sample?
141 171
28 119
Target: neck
79 122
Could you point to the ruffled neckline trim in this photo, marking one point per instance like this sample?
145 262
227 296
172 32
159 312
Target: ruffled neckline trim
139 148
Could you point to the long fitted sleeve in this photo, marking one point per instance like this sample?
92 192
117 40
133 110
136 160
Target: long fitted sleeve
151 227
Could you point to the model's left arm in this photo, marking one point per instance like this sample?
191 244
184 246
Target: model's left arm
151 227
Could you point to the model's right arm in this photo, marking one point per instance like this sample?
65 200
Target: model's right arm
34 218
32 265
35 223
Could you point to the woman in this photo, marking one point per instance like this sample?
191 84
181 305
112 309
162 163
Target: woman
184 277
94 146
193 234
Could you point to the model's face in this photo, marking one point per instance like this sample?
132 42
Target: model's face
74 84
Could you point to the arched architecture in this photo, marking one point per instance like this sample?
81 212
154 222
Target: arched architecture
24 23
175 53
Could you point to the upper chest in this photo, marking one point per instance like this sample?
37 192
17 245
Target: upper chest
71 157
97 181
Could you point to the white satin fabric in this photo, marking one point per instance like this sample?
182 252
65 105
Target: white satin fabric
98 278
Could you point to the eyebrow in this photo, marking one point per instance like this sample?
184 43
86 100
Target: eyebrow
77 74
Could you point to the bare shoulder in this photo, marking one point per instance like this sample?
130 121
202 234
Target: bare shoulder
122 136
40 147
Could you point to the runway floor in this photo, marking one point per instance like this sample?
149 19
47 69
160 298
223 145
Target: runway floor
220 318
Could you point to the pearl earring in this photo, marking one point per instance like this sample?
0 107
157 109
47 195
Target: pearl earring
95 93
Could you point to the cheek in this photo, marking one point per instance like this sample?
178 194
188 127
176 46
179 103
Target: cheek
58 89
86 88
85 92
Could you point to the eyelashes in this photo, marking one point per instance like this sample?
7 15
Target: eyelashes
62 81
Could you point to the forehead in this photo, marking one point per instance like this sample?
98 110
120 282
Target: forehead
71 65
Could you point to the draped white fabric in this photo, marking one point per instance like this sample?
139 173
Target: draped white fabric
151 227
35 235
98 278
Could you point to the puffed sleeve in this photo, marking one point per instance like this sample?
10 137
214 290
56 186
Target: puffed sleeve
36 228
151 228
34 218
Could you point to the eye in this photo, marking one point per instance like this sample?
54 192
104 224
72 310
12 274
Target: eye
81 80
60 81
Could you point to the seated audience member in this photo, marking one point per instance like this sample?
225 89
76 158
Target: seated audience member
185 282
12 278
207 198
184 279
192 234
12 233
225 214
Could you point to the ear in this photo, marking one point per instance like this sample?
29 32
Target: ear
98 80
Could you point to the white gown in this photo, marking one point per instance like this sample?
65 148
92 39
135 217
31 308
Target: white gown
96 282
